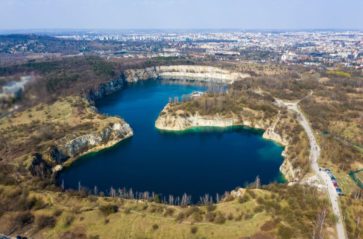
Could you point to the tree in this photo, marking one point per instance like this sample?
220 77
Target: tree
257 182
320 219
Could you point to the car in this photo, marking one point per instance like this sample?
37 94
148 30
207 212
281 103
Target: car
332 178
335 184
339 191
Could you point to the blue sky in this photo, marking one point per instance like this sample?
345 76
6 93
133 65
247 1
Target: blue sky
181 14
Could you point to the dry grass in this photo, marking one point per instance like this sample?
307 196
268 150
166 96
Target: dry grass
43 125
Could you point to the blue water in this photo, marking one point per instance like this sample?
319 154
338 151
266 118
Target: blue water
196 162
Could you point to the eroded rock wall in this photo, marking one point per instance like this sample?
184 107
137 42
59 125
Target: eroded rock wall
185 72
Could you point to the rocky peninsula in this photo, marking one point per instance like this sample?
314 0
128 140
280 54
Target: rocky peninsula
171 119
65 136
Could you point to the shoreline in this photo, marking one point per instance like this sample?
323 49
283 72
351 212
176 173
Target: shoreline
185 123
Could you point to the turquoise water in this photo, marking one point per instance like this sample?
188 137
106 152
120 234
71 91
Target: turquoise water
197 162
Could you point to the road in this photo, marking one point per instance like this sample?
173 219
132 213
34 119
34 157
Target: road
313 157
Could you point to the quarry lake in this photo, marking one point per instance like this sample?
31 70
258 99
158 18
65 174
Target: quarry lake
196 162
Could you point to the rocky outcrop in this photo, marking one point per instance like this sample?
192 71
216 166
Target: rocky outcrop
180 120
185 72
106 89
66 150
96 140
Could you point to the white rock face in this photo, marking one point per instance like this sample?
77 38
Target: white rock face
180 121
185 72
97 140
173 123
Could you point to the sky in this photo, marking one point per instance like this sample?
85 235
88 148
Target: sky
181 14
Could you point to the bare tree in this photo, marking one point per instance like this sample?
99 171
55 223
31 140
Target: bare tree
257 182
320 219
112 192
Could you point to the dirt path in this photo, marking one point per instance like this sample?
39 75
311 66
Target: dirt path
314 156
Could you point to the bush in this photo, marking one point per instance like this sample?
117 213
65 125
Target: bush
68 220
57 213
243 199
45 221
155 227
169 211
211 207
194 230
220 218
108 209
210 216
180 217
285 232
23 219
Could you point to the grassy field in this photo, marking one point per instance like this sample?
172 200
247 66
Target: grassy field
258 213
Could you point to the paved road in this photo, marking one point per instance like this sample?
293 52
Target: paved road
314 156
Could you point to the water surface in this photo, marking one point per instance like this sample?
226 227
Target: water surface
196 162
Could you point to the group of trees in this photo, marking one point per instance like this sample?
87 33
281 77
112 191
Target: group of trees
182 200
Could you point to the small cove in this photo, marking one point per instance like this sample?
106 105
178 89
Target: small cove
196 162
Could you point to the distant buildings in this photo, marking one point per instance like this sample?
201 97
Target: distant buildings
305 48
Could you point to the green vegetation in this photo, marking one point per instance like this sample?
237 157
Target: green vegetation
339 73
353 211
357 177
269 211
108 209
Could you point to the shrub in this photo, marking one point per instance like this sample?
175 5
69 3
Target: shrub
108 209
68 220
220 218
45 221
94 237
211 207
285 232
57 213
243 199
210 216
180 217
194 230
155 227
197 216
169 211
23 218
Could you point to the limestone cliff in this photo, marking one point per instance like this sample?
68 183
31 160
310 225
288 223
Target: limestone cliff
185 72
64 151
106 89
181 120
96 140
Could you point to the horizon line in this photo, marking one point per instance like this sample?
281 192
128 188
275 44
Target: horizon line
177 29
